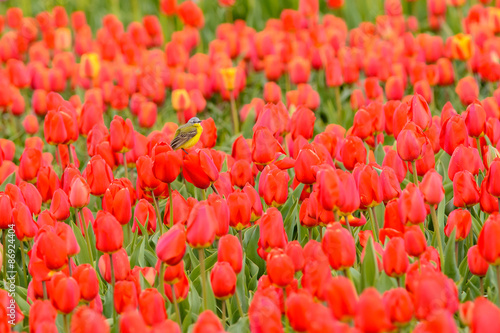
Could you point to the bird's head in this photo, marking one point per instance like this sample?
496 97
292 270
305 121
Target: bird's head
194 120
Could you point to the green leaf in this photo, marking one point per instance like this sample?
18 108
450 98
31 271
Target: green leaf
379 154
450 262
9 180
369 268
83 256
138 255
241 326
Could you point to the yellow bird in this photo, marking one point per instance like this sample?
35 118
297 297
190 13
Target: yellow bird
187 135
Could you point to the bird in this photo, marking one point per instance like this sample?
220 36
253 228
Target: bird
187 135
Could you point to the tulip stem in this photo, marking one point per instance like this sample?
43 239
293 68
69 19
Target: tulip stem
499 204
346 218
171 206
437 231
414 170
214 189
71 157
224 314
69 266
481 286
176 306
497 267
23 262
339 104
240 237
44 287
4 254
238 303
87 237
310 233
125 165
478 142
158 217
375 226
287 322
234 113
201 255
66 323
112 284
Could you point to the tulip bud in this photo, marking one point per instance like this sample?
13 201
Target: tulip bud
172 245
395 258
461 221
223 280
201 226
108 233
336 237
465 190
280 268
415 243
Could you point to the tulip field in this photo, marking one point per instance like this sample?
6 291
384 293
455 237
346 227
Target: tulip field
253 166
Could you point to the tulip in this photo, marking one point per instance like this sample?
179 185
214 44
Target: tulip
399 306
493 186
47 182
461 221
241 174
152 307
108 233
79 192
199 169
166 163
117 201
29 164
265 147
415 243
145 215
302 123
353 152
125 296
98 175
465 190
461 47
272 232
86 319
453 133
32 197
145 174
280 268
395 258
467 90
172 245
65 294
88 282
121 266
273 185
371 315
223 280
411 143
297 305
208 321
52 249
391 189
24 226
240 210
337 238
464 158
477 264
229 250
393 161
305 164
411 205
132 321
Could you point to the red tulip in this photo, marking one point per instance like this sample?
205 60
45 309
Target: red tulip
199 169
98 175
223 280
145 214
272 232
201 226
487 241
125 296
172 245
465 190
152 307
86 319
415 243
395 258
399 305
453 133
166 163
87 280
371 315
353 152
339 247
280 268
65 294
108 233
411 205
121 135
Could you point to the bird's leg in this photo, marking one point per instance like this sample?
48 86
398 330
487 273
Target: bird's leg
185 151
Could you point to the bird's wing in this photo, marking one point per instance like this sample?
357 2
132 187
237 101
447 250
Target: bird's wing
182 136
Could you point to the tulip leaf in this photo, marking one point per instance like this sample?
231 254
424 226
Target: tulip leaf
385 283
20 297
143 227
247 126
476 226
379 154
137 256
298 190
450 262
9 180
83 256
209 263
250 244
369 269
108 303
241 326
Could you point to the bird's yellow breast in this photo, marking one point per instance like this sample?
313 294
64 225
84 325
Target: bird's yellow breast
194 140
